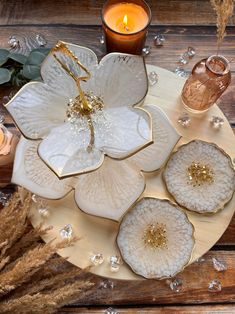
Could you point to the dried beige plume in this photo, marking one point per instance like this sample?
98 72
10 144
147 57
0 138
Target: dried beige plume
224 10
33 279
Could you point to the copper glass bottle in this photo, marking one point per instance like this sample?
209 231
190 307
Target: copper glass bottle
209 79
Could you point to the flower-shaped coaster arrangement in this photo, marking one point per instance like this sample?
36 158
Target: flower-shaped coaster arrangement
156 238
87 136
200 176
85 132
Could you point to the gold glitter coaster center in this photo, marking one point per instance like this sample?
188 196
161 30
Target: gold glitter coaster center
75 107
155 236
200 174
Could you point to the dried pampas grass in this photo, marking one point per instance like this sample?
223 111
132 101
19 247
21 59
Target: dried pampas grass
33 279
224 10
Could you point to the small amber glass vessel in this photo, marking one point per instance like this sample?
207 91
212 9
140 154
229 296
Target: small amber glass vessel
208 81
128 35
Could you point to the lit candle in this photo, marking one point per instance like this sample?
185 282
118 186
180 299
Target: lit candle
125 25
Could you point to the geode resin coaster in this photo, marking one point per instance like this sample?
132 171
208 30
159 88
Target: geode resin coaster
156 238
200 177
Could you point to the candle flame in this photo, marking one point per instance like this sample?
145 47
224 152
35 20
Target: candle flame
125 21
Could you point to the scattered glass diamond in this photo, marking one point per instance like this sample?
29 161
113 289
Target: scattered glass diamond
216 122
200 260
97 259
4 198
159 40
2 118
102 40
44 212
176 285
13 42
153 78
115 263
108 284
219 265
215 286
66 232
110 310
184 120
146 50
34 198
184 58
191 52
181 72
41 40
5 100
41 205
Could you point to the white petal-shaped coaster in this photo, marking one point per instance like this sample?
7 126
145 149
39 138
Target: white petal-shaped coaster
156 238
110 190
200 176
130 131
37 108
165 138
64 150
31 173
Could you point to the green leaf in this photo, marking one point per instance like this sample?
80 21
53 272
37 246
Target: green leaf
18 57
3 56
37 56
31 71
5 75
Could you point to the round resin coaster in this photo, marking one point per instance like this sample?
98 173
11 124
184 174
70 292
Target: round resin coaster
200 177
156 238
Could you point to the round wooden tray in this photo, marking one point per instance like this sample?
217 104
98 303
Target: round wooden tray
98 235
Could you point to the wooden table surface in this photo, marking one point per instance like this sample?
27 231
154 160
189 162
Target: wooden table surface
184 23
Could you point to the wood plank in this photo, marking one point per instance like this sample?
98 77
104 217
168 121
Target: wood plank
195 278
195 309
178 12
177 41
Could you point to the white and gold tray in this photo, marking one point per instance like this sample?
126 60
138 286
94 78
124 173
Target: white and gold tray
98 235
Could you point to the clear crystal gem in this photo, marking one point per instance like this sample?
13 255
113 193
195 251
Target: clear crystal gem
176 285
102 40
181 72
5 100
43 211
219 265
115 263
184 120
216 122
108 284
13 42
34 198
2 118
215 286
4 198
146 50
153 78
191 52
159 40
41 40
97 259
66 232
200 260
184 58
110 310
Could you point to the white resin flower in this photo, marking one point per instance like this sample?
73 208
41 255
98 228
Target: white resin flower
156 238
200 177
105 180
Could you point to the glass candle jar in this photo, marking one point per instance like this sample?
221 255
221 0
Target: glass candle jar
209 79
125 25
